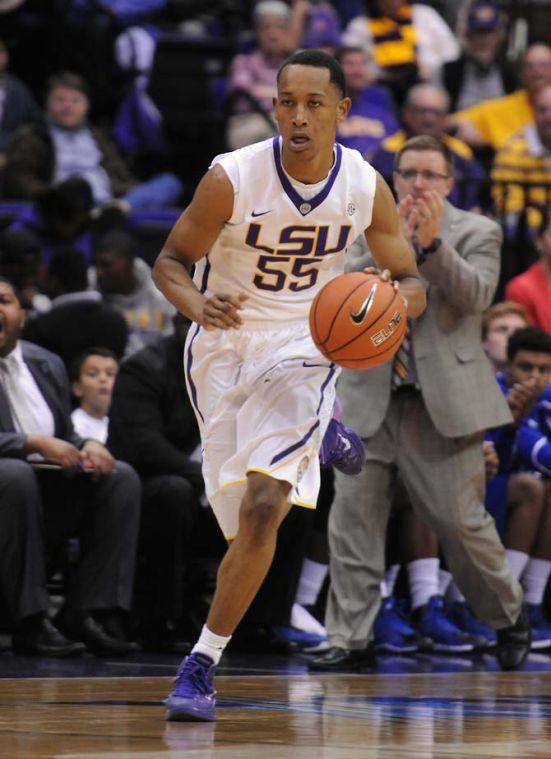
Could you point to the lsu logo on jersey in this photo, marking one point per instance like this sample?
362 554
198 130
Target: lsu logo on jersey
292 262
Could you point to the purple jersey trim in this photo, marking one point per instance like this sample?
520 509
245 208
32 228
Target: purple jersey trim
310 432
290 191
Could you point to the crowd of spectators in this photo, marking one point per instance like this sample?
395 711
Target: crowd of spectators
87 162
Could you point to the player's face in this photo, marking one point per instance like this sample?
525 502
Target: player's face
95 386
12 319
308 108
67 107
530 365
500 330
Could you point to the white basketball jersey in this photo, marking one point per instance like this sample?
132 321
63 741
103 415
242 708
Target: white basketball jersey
279 246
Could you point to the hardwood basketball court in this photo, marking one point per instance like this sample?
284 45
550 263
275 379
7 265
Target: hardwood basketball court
270 707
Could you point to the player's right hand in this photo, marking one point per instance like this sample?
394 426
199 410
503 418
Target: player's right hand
222 311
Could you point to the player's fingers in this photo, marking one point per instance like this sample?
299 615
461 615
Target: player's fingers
224 310
371 270
232 300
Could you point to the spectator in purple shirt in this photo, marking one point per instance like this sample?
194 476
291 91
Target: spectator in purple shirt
252 77
371 116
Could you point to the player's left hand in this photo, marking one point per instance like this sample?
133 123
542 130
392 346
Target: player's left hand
221 311
97 458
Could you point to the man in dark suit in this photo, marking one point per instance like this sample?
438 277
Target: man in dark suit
424 416
78 318
45 468
153 427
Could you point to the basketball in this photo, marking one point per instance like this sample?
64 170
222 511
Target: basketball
358 321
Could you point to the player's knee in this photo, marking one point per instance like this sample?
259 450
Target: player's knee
262 509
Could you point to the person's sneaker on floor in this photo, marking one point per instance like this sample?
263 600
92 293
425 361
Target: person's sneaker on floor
303 620
192 698
342 448
299 638
392 632
541 628
431 622
461 615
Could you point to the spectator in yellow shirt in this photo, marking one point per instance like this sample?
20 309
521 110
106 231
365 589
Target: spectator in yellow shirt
526 159
494 121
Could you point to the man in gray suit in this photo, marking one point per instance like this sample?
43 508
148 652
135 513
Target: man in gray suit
53 485
423 416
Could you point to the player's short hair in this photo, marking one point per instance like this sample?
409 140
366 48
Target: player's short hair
504 308
75 368
425 142
532 339
69 80
321 60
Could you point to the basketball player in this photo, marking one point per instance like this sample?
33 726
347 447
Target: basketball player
268 227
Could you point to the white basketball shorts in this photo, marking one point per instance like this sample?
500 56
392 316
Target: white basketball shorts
263 400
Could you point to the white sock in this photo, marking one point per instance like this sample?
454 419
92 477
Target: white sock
517 561
390 579
210 644
423 580
444 580
454 594
312 578
303 620
534 580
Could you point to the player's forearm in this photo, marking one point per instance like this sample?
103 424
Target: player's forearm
171 277
414 292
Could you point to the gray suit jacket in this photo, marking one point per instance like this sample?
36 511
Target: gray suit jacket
458 385
49 374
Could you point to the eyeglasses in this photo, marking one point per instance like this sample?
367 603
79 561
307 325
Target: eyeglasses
411 175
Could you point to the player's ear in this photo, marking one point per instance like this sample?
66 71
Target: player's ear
343 106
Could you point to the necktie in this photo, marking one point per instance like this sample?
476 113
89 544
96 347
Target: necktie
401 361
26 416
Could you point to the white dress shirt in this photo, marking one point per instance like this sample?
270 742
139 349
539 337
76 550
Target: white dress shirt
30 412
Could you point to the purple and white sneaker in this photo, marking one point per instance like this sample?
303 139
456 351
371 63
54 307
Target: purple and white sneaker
193 698
342 448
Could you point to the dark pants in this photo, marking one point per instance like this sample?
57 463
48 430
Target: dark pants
274 601
177 533
40 510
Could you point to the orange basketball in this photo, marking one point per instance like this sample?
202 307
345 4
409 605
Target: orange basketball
358 321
